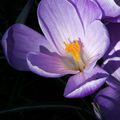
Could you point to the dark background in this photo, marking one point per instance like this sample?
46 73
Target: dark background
24 95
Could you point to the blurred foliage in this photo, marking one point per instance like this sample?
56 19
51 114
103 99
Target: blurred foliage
20 91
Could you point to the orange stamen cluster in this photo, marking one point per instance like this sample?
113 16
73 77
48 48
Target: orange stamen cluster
74 49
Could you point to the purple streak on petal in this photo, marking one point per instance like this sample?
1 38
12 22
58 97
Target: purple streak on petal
78 13
115 54
108 100
114 20
50 63
59 22
116 74
18 41
113 82
114 48
84 84
111 65
85 10
112 57
110 8
47 31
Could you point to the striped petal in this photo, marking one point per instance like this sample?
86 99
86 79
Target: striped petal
111 9
18 41
108 100
84 84
49 64
112 57
60 22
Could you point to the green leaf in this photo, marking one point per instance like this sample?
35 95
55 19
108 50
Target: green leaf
25 12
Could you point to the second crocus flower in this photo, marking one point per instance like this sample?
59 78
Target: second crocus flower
108 99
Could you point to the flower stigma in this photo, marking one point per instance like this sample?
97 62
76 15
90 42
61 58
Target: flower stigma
74 49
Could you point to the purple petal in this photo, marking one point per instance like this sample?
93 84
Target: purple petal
86 83
110 9
60 22
113 82
112 57
108 101
114 48
96 41
114 20
116 73
88 10
18 41
112 66
49 65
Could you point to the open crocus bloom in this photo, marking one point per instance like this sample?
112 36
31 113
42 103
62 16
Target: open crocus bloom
74 41
110 9
108 99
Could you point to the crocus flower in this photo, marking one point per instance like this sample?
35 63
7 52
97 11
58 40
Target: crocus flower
110 9
108 99
74 41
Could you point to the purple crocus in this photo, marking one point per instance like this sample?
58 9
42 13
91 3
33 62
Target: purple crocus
108 99
74 40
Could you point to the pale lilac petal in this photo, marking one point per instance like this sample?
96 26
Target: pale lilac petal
86 83
49 65
60 22
108 100
110 9
18 41
88 10
97 40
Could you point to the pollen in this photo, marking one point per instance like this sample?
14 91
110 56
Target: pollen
73 48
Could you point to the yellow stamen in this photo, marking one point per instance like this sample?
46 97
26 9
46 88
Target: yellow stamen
74 49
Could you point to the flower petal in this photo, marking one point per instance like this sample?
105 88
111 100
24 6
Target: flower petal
112 66
18 41
113 82
97 40
112 57
86 83
49 65
108 101
88 10
60 22
114 48
110 9
116 73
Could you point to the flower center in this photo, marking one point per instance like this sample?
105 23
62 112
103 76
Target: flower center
74 49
